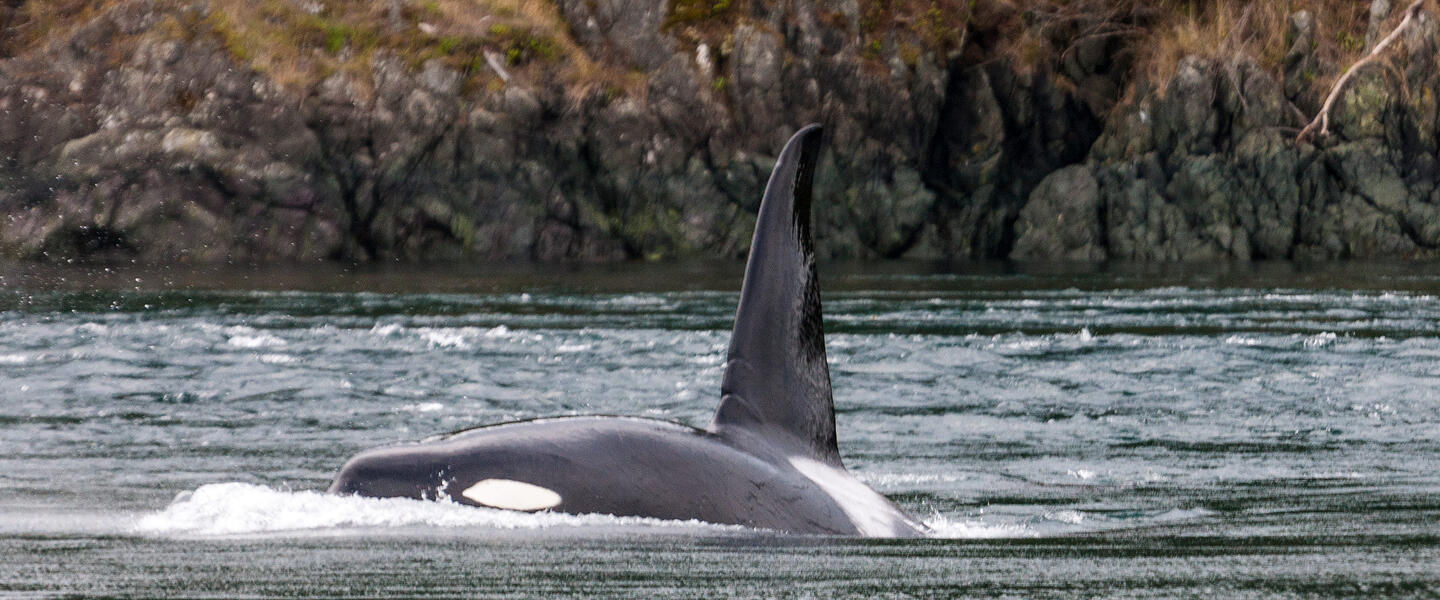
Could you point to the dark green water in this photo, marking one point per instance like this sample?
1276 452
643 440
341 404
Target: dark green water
1225 431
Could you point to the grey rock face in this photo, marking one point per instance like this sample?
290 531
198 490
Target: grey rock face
176 159
1062 218
1220 180
624 30
1301 66
165 148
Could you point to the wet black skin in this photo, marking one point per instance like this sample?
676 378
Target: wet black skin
610 465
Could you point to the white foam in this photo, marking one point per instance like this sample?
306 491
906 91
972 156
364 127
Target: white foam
886 480
634 300
439 338
228 509
387 329
243 508
1066 516
277 359
255 341
1321 340
942 527
13 359
1242 340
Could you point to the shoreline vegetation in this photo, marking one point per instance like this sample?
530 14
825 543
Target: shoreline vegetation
173 131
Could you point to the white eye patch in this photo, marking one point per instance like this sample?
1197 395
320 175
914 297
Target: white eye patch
511 495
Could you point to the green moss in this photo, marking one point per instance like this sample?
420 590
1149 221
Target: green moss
544 47
944 29
874 50
685 12
1362 106
282 21
1350 42
910 53
338 35
335 39
522 46
230 39
719 83
914 26
877 16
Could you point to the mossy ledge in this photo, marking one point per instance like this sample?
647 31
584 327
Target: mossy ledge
261 130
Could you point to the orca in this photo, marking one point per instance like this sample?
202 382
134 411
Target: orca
769 459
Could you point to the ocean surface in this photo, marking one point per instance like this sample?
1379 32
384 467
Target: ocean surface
1223 430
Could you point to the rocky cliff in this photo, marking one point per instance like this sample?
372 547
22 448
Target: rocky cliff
610 129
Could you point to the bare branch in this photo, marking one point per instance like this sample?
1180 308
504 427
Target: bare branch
1322 120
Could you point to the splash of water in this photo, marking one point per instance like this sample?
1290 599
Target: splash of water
242 508
234 508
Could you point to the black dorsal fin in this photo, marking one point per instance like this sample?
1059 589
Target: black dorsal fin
777 383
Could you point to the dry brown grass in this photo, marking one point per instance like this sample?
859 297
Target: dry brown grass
300 42
31 23
1157 34
1038 34
937 25
1222 28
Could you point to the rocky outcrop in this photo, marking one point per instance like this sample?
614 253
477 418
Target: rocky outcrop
166 149
141 133
169 153
1210 170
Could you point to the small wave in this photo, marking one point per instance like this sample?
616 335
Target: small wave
1321 340
885 480
1070 517
242 508
445 339
255 341
1243 340
942 527
635 300
13 359
387 329
225 509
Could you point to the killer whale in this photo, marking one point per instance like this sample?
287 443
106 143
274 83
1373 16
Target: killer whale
768 460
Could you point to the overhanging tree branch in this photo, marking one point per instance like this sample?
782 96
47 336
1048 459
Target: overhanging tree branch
1322 120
